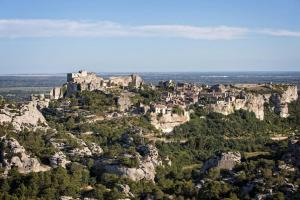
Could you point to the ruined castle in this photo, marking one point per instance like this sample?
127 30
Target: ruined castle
84 80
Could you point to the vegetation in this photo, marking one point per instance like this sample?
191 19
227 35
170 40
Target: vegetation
177 110
205 135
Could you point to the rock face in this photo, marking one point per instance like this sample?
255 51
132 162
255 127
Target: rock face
224 161
167 122
255 102
83 149
251 103
148 160
59 159
281 100
124 102
26 116
14 155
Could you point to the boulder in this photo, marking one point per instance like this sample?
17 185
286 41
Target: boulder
148 160
224 161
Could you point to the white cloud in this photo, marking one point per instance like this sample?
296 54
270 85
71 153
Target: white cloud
15 28
18 28
281 33
193 32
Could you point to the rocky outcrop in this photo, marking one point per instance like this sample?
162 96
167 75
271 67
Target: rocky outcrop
124 101
83 150
58 159
125 189
28 115
148 160
256 97
281 100
95 149
223 161
14 155
251 102
167 122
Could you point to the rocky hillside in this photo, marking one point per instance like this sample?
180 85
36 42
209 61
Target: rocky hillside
129 140
255 100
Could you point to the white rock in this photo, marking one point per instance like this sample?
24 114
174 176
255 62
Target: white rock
224 161
167 122
15 155
58 159
28 116
146 169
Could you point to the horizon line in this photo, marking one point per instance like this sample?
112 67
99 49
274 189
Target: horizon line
158 72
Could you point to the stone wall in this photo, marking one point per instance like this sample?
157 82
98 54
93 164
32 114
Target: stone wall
90 81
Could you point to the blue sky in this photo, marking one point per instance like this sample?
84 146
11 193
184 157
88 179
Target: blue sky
57 36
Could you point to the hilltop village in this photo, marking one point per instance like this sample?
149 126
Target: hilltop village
122 138
174 99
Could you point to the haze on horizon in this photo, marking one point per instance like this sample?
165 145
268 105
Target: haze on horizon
60 36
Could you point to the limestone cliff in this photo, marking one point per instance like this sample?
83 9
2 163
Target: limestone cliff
124 101
252 103
167 122
279 96
28 115
15 155
281 100
148 161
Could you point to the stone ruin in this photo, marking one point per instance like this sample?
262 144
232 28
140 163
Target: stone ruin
84 80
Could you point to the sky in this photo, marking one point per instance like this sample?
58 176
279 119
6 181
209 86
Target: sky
58 36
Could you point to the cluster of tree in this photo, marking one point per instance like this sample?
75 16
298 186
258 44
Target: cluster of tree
202 137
